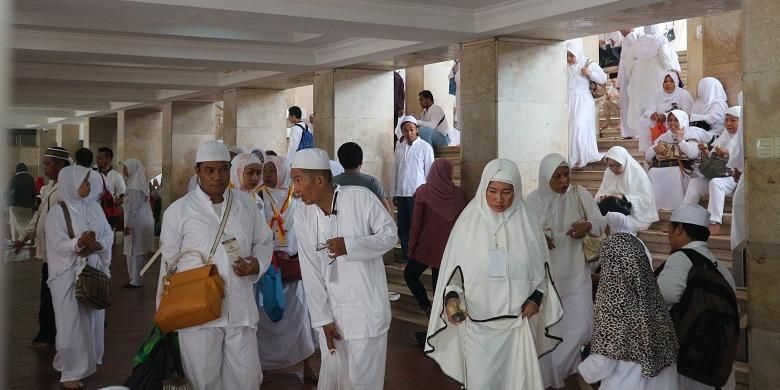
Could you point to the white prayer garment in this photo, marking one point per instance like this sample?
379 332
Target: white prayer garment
653 56
79 326
556 213
679 99
139 221
583 148
670 183
626 60
434 118
720 187
230 342
634 184
412 164
349 291
711 105
193 183
495 262
290 340
115 183
737 161
634 342
237 166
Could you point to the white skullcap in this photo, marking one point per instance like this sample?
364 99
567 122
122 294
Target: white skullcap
692 214
735 111
212 151
409 118
311 159
236 150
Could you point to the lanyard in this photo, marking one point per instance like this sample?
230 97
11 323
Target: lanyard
277 218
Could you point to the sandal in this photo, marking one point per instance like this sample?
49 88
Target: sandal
76 385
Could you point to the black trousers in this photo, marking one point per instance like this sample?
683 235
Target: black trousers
405 205
414 269
48 329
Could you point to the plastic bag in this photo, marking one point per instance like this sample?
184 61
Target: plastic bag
334 374
269 293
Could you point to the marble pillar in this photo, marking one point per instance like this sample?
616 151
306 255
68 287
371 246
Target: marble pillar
504 115
413 84
67 136
103 133
722 46
761 86
140 132
255 118
185 125
356 105
695 56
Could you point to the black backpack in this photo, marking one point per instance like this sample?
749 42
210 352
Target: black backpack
707 324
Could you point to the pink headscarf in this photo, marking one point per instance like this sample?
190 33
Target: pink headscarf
440 193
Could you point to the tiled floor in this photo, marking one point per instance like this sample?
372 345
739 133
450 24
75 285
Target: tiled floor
129 321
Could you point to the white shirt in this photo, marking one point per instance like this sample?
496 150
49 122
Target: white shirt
412 164
350 290
296 133
191 223
434 118
674 277
115 183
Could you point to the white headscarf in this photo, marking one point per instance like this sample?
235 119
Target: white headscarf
711 93
546 197
504 171
136 176
282 165
737 158
237 167
729 141
575 47
647 45
679 95
633 183
69 180
260 153
685 124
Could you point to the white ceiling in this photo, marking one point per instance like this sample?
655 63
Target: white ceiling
76 58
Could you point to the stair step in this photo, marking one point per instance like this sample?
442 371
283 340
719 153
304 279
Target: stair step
606 143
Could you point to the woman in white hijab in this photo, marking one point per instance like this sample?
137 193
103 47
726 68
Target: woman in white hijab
672 97
583 148
653 57
720 187
709 110
495 308
566 214
670 178
246 173
139 221
625 177
79 326
290 340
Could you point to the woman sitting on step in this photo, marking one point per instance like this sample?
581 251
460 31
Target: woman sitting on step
709 110
672 97
624 177
719 187
672 157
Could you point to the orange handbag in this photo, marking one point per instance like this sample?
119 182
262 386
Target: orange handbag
192 297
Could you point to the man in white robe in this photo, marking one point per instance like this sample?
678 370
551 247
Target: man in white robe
221 354
342 234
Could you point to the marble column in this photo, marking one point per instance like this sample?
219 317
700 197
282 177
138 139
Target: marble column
185 125
718 53
504 115
103 133
67 136
255 118
760 84
414 83
695 56
140 135
356 105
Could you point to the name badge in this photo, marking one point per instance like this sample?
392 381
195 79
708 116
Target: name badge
497 260
232 248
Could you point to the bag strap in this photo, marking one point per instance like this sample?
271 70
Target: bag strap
225 214
442 120
579 201
68 223
697 259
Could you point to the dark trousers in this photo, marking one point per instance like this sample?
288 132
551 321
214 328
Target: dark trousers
414 269
48 329
404 205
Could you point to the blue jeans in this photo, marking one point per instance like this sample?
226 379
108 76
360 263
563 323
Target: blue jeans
405 204
433 137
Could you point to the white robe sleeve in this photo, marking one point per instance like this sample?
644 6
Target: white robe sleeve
383 234
429 157
313 273
262 241
597 74
596 368
57 238
295 139
668 56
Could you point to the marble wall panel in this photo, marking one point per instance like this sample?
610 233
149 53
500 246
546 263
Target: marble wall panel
261 108
480 142
761 25
478 77
323 93
762 98
266 138
376 141
143 139
414 82
103 133
722 47
764 350
695 55
532 73
363 93
229 116
763 274
68 136
194 118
